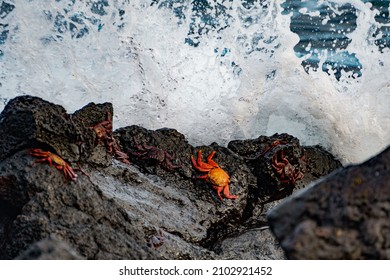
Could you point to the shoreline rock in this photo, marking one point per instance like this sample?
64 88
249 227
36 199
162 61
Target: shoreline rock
342 216
153 208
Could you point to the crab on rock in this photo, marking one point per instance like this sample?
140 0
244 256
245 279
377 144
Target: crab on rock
156 241
216 176
159 155
287 173
103 131
55 161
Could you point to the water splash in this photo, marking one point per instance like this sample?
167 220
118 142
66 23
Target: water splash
220 71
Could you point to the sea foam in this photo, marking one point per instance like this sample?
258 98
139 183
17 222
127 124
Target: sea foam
240 80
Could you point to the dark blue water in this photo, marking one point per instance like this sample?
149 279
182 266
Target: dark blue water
328 32
322 35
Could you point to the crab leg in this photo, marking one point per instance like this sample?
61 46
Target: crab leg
69 174
210 161
43 160
199 159
201 166
219 190
205 176
227 194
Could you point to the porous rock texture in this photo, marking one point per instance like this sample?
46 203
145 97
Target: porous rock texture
154 207
343 216
50 248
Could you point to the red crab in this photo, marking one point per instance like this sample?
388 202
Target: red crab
273 145
287 173
157 154
56 161
103 132
216 176
119 155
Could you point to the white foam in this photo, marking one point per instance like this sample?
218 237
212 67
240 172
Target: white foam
155 80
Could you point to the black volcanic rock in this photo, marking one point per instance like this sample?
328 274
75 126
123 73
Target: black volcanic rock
136 194
91 151
269 185
343 216
30 121
163 152
208 217
259 154
50 248
77 212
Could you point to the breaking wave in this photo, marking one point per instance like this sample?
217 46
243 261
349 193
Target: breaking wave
215 70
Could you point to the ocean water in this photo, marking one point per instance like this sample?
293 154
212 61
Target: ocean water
216 70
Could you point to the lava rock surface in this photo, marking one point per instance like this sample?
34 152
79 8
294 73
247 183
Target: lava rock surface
151 206
50 248
342 216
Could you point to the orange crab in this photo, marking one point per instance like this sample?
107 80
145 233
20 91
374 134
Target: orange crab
54 160
216 176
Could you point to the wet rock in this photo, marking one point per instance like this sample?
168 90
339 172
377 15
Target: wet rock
343 216
252 244
264 154
318 163
137 194
163 152
50 248
77 212
92 149
30 121
281 166
202 217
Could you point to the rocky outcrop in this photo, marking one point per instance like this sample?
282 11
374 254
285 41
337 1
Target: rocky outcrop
77 212
280 166
137 194
29 121
343 216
